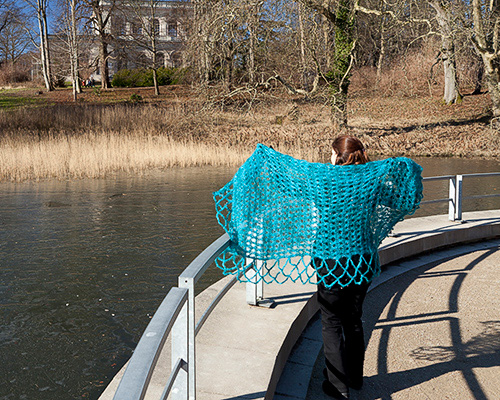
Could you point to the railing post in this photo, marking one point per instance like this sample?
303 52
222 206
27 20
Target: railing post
188 283
259 287
451 204
251 285
458 210
180 346
255 285
455 198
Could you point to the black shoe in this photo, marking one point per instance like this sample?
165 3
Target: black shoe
356 385
332 391
353 385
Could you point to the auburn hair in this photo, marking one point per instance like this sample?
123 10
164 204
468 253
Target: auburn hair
349 151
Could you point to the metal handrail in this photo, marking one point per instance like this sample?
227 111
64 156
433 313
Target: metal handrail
199 265
455 198
177 313
482 174
137 376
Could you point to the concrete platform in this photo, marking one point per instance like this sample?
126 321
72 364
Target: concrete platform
243 350
433 332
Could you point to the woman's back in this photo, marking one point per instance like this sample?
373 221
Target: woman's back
277 207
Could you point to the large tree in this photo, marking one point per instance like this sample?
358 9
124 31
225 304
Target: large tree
486 37
70 33
342 17
40 8
447 27
101 15
145 33
5 14
13 39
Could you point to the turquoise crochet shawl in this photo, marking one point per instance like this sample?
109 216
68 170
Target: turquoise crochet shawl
312 222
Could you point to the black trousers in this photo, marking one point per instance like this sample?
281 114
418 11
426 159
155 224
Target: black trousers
342 329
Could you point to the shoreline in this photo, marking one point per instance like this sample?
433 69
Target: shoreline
101 156
75 141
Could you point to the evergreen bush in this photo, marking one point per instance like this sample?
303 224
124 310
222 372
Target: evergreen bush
141 77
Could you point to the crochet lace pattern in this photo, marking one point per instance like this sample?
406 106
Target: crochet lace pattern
312 222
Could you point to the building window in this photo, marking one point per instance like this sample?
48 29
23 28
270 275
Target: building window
119 26
160 60
172 29
156 27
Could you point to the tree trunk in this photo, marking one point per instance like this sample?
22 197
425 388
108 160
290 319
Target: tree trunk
491 74
155 82
486 45
478 81
75 68
339 76
251 50
103 63
202 41
381 55
154 50
47 50
44 53
451 93
325 24
303 63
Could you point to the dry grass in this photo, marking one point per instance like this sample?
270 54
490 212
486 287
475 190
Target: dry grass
97 155
94 155
95 139
67 141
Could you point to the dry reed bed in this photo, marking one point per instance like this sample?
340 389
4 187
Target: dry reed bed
93 155
88 142
68 141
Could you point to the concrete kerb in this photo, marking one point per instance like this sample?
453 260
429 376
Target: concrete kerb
411 237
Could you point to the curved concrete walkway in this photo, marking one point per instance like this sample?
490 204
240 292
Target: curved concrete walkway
433 332
243 350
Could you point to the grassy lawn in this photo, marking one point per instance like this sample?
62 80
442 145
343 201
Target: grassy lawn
19 97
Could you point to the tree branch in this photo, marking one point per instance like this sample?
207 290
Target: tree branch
320 8
365 10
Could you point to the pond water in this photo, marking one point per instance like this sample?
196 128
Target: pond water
84 265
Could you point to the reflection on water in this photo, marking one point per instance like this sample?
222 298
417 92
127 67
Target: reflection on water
84 265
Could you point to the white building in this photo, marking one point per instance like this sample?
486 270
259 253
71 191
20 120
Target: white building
135 24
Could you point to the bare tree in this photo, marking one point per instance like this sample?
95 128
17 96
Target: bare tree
40 8
145 32
445 23
101 15
13 39
486 23
343 21
5 14
444 17
70 33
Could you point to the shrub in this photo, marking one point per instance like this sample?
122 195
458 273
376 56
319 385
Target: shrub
141 77
13 74
135 98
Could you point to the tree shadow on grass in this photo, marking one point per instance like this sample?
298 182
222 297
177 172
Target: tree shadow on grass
392 130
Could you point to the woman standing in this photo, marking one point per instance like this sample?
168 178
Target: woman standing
341 306
281 213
